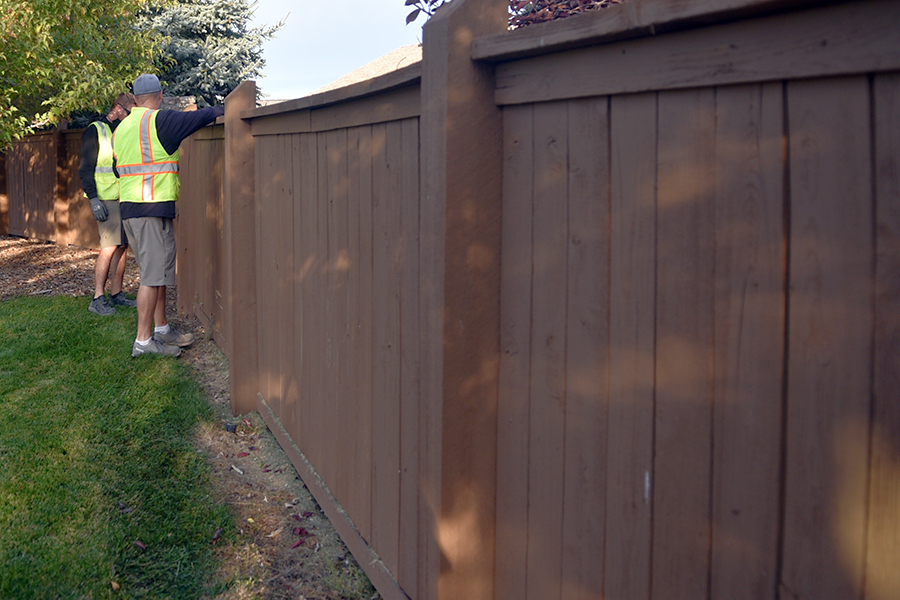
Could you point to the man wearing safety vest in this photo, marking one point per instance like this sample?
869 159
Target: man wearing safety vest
101 188
145 146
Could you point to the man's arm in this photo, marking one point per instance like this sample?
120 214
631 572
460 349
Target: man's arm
90 149
173 127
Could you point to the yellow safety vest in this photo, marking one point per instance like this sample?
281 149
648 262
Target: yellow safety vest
104 178
147 172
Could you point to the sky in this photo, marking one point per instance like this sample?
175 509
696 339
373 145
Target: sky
323 40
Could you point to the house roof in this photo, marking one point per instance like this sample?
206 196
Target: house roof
401 57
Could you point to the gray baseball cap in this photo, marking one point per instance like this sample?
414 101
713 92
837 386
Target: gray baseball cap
146 84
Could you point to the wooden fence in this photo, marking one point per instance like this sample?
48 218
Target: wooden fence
601 308
40 191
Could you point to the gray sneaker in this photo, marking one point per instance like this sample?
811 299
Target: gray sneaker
99 306
174 338
121 299
154 347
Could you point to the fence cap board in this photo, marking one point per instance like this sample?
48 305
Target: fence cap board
632 19
402 77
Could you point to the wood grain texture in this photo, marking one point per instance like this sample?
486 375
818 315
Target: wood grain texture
632 338
750 280
830 353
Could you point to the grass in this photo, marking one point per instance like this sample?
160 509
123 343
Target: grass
100 486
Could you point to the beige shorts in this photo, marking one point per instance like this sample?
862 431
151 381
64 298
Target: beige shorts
111 232
152 240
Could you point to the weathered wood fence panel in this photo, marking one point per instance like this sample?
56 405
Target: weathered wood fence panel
610 312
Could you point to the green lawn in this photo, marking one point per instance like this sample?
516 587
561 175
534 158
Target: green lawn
99 482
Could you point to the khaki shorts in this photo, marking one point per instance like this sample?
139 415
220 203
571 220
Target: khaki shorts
152 240
111 232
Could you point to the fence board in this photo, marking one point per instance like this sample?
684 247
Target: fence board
336 311
749 341
883 552
515 341
830 329
386 376
409 352
587 351
681 479
365 320
548 344
632 336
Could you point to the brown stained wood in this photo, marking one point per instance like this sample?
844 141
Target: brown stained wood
830 338
267 290
395 105
410 395
386 369
325 461
309 264
632 301
632 19
587 351
336 314
285 249
239 247
749 342
515 343
883 550
847 38
684 330
548 352
365 327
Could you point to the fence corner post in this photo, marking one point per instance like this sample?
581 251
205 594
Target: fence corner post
461 129
239 223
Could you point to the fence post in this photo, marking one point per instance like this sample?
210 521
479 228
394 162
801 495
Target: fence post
239 222
462 166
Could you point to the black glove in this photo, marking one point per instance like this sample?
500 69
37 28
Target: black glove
99 210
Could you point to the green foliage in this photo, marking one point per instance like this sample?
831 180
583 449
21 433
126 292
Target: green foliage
96 456
211 48
528 12
423 6
59 56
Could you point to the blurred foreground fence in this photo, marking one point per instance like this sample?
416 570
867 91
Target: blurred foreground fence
607 307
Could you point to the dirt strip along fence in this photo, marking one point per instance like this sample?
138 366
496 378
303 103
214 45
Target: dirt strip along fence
603 308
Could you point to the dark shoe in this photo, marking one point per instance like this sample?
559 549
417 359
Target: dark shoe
154 347
174 338
121 299
99 306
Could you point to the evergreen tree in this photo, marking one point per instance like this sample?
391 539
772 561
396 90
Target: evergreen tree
211 47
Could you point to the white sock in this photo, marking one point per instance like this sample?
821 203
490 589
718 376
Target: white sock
163 330
144 343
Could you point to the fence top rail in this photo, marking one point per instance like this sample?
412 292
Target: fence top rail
632 19
403 77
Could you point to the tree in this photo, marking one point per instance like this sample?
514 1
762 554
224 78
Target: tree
522 12
211 48
528 12
60 56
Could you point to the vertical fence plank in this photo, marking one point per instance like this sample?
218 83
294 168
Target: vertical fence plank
366 324
632 300
269 149
883 552
681 478
386 425
515 342
749 341
409 353
830 333
337 273
548 352
587 351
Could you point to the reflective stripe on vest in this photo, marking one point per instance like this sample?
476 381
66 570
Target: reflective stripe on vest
104 179
147 172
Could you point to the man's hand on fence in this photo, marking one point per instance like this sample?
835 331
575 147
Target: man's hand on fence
99 210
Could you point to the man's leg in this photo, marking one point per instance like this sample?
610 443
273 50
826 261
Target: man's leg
159 314
147 297
101 269
117 269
